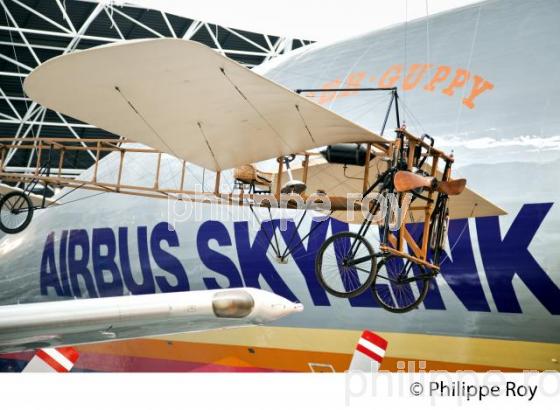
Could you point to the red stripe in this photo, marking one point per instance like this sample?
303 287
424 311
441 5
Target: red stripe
112 363
369 353
50 361
121 363
25 356
375 339
69 352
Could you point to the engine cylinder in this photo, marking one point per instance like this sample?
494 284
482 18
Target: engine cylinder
347 154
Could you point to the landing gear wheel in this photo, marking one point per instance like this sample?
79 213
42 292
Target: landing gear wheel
396 287
16 211
345 265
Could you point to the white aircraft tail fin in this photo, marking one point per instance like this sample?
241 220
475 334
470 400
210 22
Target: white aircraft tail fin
59 360
369 352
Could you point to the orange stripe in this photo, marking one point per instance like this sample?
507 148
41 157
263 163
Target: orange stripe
259 357
395 364
226 355
483 352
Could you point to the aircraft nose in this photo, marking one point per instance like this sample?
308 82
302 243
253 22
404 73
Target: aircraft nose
282 309
269 306
298 307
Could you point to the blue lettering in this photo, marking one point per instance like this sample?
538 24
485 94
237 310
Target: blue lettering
78 267
147 286
253 260
510 256
305 258
215 261
503 259
104 237
167 262
49 276
460 273
64 280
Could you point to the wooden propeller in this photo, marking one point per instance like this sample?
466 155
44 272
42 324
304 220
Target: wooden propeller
407 181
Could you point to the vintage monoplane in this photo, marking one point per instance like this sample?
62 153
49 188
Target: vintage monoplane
178 98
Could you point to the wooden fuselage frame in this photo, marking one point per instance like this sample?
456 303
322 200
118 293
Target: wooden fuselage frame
51 154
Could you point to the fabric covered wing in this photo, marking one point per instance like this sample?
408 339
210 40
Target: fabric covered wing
185 99
336 180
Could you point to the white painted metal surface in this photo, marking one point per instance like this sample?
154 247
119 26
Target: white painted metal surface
31 325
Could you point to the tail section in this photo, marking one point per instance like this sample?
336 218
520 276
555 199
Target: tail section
59 360
369 352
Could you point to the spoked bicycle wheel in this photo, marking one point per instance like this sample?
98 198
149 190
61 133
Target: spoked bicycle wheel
345 265
400 285
16 211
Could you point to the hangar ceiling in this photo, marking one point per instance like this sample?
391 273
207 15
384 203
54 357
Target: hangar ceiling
33 31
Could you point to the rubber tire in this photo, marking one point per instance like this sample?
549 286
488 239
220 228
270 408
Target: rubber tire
318 263
27 201
399 310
